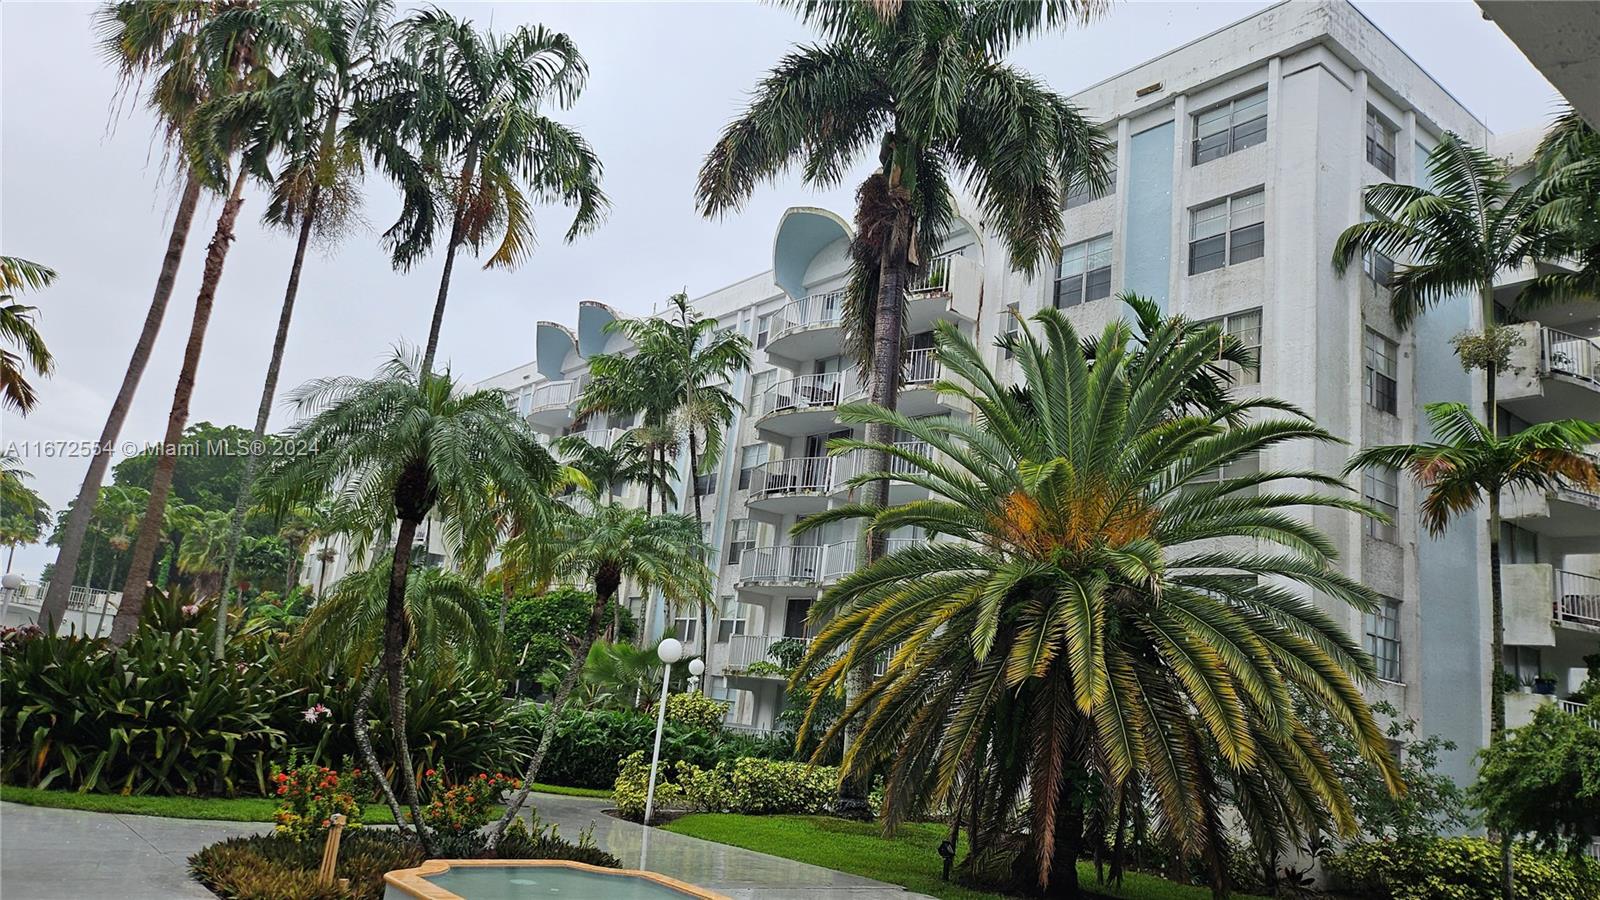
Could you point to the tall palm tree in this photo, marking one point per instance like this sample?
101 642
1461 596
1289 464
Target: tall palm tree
607 543
156 42
641 386
1467 465
237 42
1090 624
17 328
395 448
307 116
456 122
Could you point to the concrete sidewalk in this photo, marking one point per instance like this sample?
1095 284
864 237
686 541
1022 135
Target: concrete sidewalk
63 854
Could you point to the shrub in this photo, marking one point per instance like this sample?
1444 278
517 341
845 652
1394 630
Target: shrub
1461 868
309 796
1543 780
747 785
590 745
465 806
695 710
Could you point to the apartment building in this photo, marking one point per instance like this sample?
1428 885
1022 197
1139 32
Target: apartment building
1240 157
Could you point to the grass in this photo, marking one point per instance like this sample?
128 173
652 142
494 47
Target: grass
909 859
224 809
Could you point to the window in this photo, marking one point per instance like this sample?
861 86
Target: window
1381 374
1226 232
1011 326
1523 663
1085 272
1248 464
1378 268
1380 142
735 617
1383 638
760 383
1246 327
1518 544
1080 193
751 456
706 485
763 328
741 539
1235 125
1380 488
686 628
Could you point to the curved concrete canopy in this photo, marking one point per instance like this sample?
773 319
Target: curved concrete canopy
593 317
803 232
551 344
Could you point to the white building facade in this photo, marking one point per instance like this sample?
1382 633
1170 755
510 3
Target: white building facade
1240 158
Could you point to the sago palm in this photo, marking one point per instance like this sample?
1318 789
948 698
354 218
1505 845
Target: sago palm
1109 615
395 448
603 545
456 121
1469 465
17 328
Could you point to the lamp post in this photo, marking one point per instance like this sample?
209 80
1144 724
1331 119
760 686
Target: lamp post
10 584
670 650
697 667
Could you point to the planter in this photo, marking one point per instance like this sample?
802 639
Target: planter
1546 686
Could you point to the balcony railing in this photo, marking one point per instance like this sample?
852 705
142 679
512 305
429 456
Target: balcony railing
813 311
858 461
802 393
1574 708
1570 354
796 475
792 564
554 395
744 649
1577 598
600 437
841 557
89 611
934 277
922 367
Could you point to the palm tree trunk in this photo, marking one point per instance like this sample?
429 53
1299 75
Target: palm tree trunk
606 583
11 552
55 599
269 389
364 744
699 519
161 481
396 634
1497 698
88 579
322 575
449 262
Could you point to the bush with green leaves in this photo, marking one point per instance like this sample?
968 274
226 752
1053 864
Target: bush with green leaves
309 796
696 710
1458 868
538 629
590 745
747 785
1542 781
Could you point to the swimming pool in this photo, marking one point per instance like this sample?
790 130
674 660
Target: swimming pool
513 879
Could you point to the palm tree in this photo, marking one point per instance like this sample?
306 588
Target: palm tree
156 41
621 676
640 386
395 448
607 543
456 122
203 555
1568 166
1469 464
235 45
16 327
324 557
23 513
307 115
1089 625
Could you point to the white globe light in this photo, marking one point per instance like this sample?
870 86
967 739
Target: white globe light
11 581
697 667
670 650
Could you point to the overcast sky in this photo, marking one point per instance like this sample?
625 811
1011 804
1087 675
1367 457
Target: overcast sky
82 190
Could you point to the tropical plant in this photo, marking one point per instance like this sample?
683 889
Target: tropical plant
395 448
606 544
1090 629
1457 868
203 555
618 675
455 120
1568 166
305 115
1469 464
1543 781
17 328
23 513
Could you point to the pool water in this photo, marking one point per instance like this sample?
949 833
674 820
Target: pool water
523 882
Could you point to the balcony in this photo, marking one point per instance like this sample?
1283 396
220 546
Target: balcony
744 649
808 328
946 289
780 570
1577 600
798 406
1553 375
603 438
858 461
89 611
840 559
1566 511
799 485
552 403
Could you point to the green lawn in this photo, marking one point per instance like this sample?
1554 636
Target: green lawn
227 809
910 858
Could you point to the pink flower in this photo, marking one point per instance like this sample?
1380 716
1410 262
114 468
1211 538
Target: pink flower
315 713
191 609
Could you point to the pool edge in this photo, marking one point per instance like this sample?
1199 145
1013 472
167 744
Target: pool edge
413 881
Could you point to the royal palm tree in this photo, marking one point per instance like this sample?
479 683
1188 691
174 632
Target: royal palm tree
456 122
155 42
396 448
1090 625
17 328
1468 465
607 543
306 116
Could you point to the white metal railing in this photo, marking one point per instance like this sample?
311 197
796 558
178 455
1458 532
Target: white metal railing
554 395
1573 707
922 367
600 437
934 277
89 611
744 649
791 564
821 310
1577 598
796 475
800 393
841 557
1570 354
858 461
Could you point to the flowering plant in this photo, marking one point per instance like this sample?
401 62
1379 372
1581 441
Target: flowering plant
317 712
309 796
465 806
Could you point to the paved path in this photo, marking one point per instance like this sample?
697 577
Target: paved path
61 854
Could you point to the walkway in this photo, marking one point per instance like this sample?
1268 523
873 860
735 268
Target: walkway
60 854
